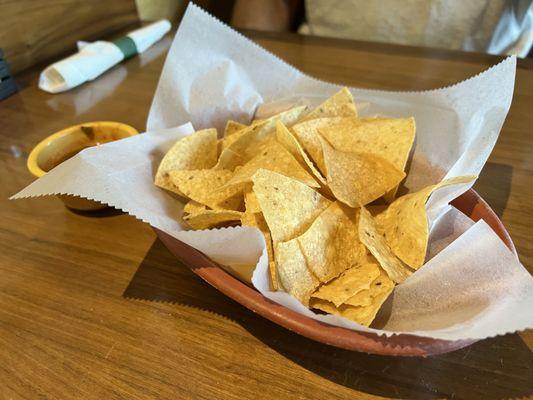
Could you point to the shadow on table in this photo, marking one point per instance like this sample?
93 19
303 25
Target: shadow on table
491 369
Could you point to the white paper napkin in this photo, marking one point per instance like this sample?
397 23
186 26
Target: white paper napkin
93 59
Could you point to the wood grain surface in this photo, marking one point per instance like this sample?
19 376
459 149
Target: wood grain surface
93 307
34 31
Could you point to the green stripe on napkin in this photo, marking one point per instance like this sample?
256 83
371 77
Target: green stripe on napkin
126 46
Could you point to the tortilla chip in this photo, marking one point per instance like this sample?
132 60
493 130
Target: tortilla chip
193 207
212 218
233 132
206 187
220 147
390 138
232 127
195 151
324 305
248 219
293 272
361 299
331 244
289 206
232 155
254 139
404 223
363 315
307 135
377 245
287 139
250 200
357 179
257 220
354 280
274 157
380 286
341 104
227 141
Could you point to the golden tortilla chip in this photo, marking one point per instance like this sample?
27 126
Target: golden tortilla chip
289 206
341 104
404 223
220 147
368 313
254 139
248 219
193 207
380 286
274 157
195 151
206 187
232 155
287 139
357 179
212 218
307 135
363 315
324 305
250 200
331 244
227 141
233 132
232 127
390 138
354 280
377 245
308 132
361 299
293 272
257 220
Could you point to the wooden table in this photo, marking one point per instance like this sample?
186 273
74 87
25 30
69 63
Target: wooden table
93 307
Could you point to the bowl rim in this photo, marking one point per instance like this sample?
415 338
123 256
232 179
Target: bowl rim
469 203
33 165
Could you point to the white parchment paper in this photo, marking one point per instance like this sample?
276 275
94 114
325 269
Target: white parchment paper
472 287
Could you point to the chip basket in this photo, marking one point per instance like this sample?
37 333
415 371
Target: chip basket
470 203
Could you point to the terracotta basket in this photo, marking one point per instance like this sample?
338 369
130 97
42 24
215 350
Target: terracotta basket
470 203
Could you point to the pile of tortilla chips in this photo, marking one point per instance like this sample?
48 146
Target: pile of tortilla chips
321 186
